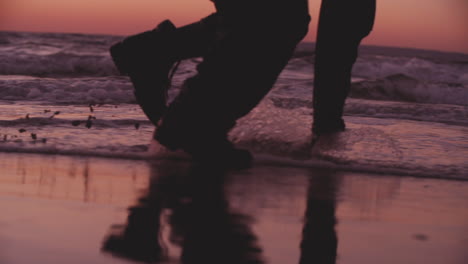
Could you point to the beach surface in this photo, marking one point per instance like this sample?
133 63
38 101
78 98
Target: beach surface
81 209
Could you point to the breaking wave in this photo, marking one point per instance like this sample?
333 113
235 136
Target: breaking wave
67 90
58 64
400 87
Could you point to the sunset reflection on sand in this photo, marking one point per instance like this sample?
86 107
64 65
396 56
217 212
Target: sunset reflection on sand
61 209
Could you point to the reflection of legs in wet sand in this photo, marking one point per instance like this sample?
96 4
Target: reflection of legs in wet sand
319 240
200 220
138 239
207 230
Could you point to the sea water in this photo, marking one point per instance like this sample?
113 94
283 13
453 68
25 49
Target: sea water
406 114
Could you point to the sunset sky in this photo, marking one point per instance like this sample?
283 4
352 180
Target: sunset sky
426 24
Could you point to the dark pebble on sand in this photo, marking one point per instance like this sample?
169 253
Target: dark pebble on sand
137 125
33 136
22 130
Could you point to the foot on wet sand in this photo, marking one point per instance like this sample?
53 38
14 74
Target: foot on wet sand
325 141
159 151
221 155
231 158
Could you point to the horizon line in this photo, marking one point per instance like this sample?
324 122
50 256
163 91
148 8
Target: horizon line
302 42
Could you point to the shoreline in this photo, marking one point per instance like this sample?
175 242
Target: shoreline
260 159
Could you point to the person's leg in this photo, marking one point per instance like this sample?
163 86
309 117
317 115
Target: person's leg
319 239
255 43
196 39
342 26
148 58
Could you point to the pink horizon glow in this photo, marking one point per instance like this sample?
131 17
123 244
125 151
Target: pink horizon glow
434 24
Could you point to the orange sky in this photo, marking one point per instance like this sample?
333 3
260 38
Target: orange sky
428 24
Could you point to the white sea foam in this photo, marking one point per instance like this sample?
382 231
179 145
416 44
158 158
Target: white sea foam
390 146
118 90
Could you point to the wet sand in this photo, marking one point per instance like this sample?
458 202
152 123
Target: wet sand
64 209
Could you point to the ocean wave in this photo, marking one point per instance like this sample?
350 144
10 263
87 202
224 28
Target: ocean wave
441 113
421 69
398 97
4 41
58 54
57 64
400 87
67 90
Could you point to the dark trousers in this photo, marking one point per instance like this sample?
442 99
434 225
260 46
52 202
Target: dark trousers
253 41
342 26
245 45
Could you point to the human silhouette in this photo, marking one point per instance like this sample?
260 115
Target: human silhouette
139 238
200 221
190 201
244 45
319 239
